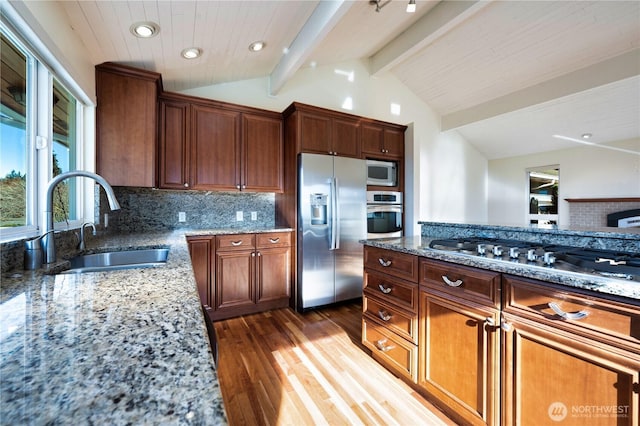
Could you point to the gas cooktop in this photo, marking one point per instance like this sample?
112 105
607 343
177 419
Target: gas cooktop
613 264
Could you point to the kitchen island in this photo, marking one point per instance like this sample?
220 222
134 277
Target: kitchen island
119 347
484 333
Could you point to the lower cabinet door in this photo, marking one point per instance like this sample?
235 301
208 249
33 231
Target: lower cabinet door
459 355
273 274
234 279
555 378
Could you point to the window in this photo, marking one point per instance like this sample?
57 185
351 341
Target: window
544 183
34 102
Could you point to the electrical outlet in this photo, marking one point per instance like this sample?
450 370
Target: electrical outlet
239 217
254 215
182 217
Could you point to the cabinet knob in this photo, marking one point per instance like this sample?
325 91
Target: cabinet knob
186 185
237 186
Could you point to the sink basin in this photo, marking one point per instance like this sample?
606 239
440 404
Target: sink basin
118 260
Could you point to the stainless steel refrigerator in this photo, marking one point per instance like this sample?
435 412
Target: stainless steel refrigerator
332 214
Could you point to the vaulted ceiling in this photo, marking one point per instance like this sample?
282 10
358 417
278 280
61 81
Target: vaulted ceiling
505 74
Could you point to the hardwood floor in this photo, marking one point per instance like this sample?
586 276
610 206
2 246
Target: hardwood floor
285 368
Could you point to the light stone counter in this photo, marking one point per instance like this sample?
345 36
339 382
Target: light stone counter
630 290
119 347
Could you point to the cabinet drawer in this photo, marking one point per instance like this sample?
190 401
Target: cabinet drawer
391 262
273 239
392 290
577 312
235 242
470 283
390 350
402 323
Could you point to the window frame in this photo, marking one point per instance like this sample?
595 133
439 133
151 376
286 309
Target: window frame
39 132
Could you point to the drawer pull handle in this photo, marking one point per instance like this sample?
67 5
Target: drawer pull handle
274 240
450 283
384 315
385 290
236 243
568 315
382 345
385 263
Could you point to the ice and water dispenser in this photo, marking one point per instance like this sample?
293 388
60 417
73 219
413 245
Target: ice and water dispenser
319 209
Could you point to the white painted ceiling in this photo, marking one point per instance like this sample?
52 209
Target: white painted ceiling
505 74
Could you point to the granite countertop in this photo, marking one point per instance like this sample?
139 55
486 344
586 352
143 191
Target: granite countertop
419 245
120 347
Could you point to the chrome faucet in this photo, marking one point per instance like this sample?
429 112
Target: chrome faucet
81 246
48 240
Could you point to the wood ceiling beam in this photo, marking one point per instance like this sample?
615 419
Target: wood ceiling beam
438 21
325 16
611 70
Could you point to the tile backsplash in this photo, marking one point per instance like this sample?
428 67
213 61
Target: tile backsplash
145 209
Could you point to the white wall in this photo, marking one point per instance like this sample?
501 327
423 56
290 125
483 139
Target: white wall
446 177
585 172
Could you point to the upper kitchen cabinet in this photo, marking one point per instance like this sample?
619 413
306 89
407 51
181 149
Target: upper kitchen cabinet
326 132
126 124
207 145
384 141
262 152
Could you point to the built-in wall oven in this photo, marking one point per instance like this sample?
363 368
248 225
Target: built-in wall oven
384 214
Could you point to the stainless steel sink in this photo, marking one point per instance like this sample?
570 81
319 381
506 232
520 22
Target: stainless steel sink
118 260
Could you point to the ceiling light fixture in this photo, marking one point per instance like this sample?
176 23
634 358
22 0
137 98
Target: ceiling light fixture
411 7
191 53
379 4
586 135
257 46
144 29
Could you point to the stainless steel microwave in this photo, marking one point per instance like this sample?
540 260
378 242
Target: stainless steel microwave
382 173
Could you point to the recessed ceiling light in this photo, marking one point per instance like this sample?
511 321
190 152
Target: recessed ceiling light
144 29
191 53
257 46
586 135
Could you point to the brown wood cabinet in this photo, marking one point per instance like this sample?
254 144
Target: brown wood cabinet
126 125
499 349
459 344
390 310
382 141
568 357
247 273
323 133
214 146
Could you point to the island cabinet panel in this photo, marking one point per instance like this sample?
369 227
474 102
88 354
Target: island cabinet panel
213 146
465 282
390 310
126 125
568 356
553 377
201 251
459 342
242 273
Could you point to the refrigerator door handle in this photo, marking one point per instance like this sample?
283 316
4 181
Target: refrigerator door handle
333 200
336 187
